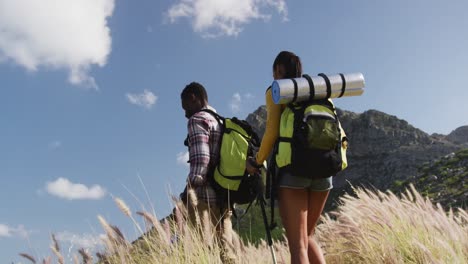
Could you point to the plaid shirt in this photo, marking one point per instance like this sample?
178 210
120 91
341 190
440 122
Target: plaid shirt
204 137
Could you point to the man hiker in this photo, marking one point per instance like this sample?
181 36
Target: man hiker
203 141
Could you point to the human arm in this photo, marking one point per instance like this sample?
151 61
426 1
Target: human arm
199 150
270 136
271 130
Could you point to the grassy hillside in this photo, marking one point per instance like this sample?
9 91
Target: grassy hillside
444 181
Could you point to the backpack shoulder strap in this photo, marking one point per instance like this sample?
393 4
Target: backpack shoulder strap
218 118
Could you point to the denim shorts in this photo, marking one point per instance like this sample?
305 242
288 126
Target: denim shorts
287 180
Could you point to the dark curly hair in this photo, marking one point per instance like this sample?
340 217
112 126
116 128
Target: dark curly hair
196 89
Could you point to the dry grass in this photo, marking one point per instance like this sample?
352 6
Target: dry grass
175 240
370 227
377 227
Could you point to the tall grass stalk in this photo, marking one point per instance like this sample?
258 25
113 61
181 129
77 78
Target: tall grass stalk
176 240
378 227
87 258
28 257
56 250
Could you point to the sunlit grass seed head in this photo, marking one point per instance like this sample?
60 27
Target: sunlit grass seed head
122 206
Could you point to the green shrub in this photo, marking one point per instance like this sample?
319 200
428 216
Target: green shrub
463 154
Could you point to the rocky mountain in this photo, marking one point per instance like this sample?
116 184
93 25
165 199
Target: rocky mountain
459 135
383 149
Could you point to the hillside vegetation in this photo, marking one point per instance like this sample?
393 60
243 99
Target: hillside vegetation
444 181
367 227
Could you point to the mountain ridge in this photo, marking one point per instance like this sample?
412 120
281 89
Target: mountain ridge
383 148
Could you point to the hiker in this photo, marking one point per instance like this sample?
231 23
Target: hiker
203 140
301 200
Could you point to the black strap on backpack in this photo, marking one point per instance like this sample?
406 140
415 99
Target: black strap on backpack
295 90
327 82
218 118
311 87
343 85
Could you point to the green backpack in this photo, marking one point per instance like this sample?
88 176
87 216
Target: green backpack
229 178
315 147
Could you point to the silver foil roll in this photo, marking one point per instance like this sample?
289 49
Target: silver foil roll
283 90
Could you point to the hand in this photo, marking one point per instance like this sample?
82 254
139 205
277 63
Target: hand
250 166
344 144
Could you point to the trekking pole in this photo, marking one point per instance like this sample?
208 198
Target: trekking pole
267 228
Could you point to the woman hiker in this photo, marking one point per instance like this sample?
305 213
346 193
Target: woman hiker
301 200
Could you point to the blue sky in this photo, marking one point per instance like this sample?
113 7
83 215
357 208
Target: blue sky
90 92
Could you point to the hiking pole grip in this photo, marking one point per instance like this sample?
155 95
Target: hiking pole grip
268 231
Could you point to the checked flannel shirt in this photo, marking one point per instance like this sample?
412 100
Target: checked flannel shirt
204 137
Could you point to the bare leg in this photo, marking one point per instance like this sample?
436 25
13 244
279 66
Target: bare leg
316 204
293 205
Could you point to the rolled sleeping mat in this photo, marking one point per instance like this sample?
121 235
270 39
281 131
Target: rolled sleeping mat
323 86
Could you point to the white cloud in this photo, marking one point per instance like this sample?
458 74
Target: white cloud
4 231
67 34
21 231
146 99
63 188
86 241
235 104
213 18
182 158
7 231
238 100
